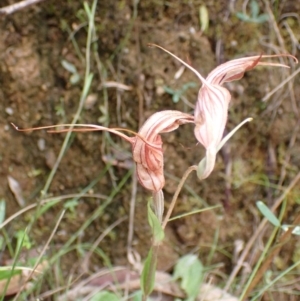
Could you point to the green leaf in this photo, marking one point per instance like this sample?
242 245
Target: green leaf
188 85
71 205
87 85
2 211
87 9
137 296
190 270
6 274
243 17
262 18
148 273
254 9
105 296
176 94
268 214
204 18
68 66
176 97
255 17
23 240
169 90
46 207
157 230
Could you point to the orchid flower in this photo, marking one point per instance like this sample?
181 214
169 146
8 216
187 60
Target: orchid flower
146 144
213 100
146 148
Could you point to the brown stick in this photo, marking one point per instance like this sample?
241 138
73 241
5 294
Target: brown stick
7 10
180 185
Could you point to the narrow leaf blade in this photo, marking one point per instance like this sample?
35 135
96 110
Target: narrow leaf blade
157 230
2 210
268 214
69 66
104 296
148 274
204 18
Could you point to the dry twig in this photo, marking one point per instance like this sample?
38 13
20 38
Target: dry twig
10 9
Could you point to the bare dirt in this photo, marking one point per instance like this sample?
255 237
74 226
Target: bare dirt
36 91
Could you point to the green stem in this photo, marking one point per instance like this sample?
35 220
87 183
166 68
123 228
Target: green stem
87 83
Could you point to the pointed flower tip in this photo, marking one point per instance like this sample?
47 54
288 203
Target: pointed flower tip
207 164
152 45
202 79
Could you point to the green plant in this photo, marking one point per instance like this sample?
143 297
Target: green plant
210 117
189 270
270 251
177 94
254 17
272 218
75 76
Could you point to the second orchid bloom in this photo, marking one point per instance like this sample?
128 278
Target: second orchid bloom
211 107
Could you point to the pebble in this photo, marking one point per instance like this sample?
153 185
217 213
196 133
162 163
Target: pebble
41 144
9 111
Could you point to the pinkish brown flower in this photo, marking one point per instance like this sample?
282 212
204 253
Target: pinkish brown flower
211 108
146 144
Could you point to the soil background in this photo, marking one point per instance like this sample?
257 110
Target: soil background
258 163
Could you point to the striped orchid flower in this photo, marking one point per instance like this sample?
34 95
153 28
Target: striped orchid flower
211 108
146 144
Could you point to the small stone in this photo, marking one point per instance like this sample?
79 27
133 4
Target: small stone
41 144
192 30
9 111
50 158
90 101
